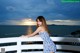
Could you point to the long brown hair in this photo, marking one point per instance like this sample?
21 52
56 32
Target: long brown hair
42 19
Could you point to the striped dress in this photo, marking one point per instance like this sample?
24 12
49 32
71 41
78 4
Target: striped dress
48 44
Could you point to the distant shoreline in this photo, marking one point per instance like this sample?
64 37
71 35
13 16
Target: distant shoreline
35 25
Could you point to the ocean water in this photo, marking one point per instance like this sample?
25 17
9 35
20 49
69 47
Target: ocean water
55 30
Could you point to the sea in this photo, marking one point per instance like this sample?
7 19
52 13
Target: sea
55 30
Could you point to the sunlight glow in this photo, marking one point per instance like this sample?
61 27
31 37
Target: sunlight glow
28 22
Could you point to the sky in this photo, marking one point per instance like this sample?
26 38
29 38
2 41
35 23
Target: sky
13 12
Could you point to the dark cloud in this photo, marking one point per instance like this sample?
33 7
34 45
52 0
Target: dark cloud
50 9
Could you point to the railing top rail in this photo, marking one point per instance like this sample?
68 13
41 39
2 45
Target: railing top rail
56 39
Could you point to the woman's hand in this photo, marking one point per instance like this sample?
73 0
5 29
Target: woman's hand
25 36
28 36
22 36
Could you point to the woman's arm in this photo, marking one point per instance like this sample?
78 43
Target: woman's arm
37 31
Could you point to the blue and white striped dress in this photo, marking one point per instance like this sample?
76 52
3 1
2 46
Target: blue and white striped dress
48 44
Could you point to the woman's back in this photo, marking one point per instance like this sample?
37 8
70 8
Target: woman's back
48 44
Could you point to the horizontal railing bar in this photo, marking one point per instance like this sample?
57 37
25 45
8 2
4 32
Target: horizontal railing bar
65 39
42 52
62 47
68 47
8 40
40 46
34 52
56 39
9 48
32 46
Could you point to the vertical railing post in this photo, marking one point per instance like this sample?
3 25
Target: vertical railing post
19 46
2 50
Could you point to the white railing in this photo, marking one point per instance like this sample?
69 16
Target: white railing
18 47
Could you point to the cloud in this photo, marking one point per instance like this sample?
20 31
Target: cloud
60 16
50 2
10 8
49 22
64 22
50 9
25 8
10 22
32 6
27 21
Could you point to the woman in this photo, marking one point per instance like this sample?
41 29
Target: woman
48 44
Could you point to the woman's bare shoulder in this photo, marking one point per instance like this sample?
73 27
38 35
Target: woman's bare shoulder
42 28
